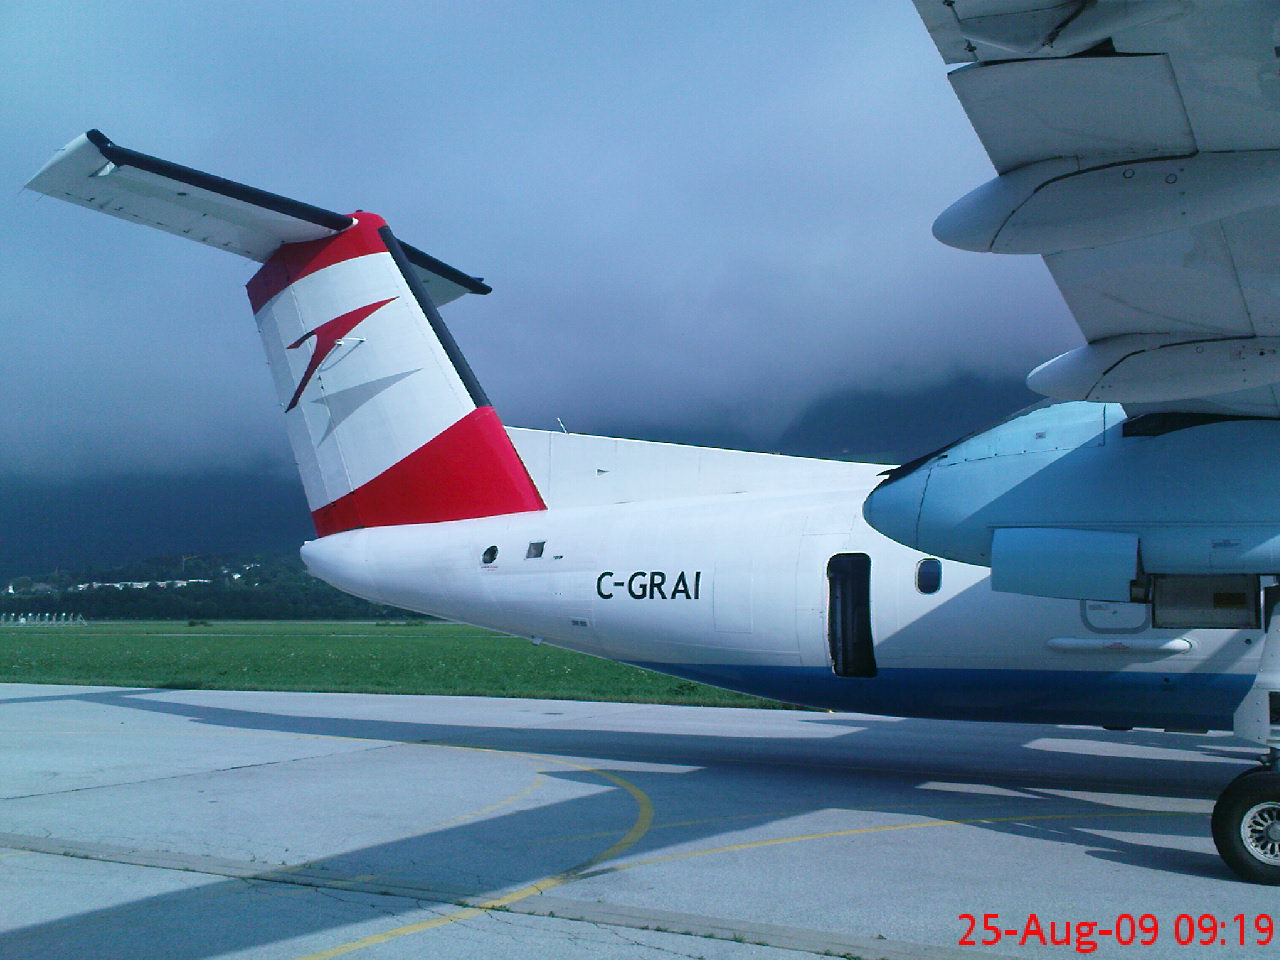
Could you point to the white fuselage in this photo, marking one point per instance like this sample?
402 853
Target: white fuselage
712 565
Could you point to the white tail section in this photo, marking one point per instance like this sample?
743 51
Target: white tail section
387 422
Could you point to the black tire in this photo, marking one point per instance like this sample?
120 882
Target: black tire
1251 772
1246 826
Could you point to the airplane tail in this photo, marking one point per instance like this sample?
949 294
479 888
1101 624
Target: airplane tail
387 422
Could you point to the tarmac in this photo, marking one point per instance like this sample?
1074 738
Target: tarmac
177 825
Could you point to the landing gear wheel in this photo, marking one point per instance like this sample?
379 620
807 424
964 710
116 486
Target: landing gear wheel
1246 826
1251 772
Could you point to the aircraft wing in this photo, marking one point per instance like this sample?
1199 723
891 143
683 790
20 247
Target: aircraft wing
94 172
1137 149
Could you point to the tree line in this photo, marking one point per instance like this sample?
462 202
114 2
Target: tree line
195 587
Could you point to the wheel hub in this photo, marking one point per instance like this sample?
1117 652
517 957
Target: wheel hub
1260 831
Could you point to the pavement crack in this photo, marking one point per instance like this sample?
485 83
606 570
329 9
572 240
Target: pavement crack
619 934
188 773
371 903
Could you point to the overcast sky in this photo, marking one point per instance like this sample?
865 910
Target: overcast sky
706 215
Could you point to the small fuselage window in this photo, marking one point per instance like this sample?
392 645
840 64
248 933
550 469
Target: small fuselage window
490 554
929 575
535 549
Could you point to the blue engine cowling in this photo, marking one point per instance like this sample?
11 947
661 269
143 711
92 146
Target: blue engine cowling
1077 500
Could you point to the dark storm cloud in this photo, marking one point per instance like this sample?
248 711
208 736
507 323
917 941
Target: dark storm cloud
702 221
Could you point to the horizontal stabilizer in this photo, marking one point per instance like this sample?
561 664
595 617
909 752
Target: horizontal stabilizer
94 172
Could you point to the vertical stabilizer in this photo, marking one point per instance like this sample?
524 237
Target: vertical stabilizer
387 422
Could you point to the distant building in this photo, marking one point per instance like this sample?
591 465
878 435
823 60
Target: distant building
136 584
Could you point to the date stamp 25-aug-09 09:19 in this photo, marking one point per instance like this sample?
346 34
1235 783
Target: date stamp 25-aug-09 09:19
1125 930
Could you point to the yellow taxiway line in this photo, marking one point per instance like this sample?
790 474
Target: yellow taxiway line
643 821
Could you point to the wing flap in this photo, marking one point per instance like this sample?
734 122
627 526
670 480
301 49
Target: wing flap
1093 85
966 31
1025 111
1182 281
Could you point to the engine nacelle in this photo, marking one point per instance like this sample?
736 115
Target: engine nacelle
1054 205
1075 500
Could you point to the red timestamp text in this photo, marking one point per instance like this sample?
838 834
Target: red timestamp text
1125 930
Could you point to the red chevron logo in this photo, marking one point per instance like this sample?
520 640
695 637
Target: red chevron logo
327 336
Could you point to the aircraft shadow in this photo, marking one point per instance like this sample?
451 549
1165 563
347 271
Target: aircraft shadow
878 765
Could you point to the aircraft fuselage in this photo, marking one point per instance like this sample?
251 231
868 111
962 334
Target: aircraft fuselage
737 590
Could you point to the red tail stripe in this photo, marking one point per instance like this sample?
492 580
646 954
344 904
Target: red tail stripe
293 261
470 470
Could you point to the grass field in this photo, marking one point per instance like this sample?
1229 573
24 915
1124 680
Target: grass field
340 656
